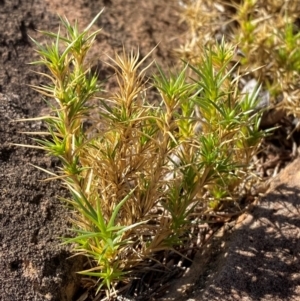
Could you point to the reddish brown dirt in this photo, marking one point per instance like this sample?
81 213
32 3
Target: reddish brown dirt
33 264
259 257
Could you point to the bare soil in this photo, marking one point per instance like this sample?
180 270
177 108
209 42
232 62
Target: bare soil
258 257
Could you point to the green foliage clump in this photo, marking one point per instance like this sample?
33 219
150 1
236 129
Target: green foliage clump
267 33
143 172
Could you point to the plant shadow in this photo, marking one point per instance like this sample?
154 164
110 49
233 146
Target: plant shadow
261 258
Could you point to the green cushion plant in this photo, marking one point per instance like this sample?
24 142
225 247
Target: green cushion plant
144 172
